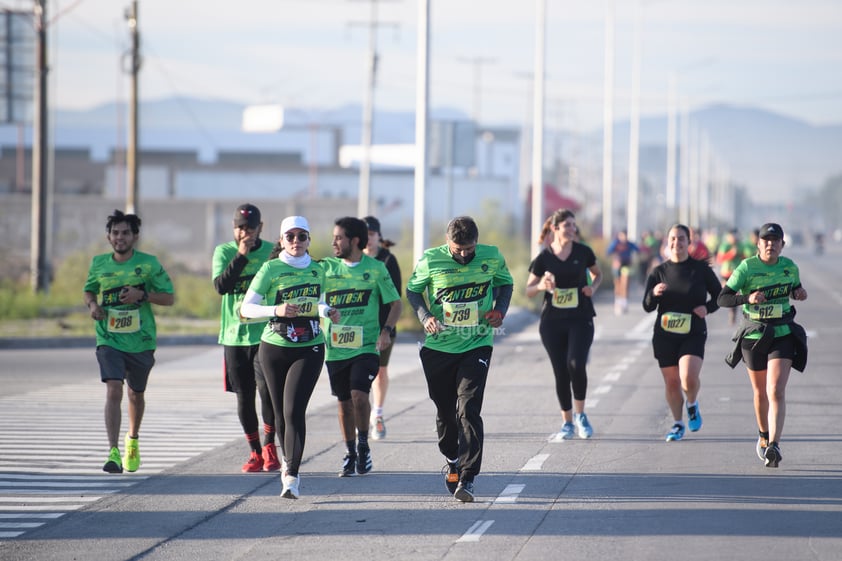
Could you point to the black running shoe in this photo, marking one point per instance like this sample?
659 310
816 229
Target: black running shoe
773 455
450 471
363 459
349 464
465 491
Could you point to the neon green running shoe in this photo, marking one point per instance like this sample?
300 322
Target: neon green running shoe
114 463
132 457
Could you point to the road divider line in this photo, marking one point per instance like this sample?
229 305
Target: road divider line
476 531
510 493
535 463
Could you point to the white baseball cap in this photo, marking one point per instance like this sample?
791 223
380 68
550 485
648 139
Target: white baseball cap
293 222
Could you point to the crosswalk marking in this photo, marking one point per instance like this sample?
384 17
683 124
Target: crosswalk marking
44 478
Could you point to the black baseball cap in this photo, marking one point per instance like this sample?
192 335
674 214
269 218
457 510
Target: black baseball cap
247 215
372 224
771 230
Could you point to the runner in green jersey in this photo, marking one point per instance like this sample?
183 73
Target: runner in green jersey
769 341
234 266
356 285
292 345
129 282
460 292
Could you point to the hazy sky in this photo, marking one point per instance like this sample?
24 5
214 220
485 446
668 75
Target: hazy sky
781 55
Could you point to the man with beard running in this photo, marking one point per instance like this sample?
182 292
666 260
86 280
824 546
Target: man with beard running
119 293
460 292
356 285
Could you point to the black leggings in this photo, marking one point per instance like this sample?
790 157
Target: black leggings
568 343
245 377
291 375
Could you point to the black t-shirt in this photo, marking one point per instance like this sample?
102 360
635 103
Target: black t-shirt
571 276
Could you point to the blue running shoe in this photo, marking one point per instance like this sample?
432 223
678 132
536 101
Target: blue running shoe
676 432
694 417
566 432
583 426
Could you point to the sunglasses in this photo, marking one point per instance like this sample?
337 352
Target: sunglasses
302 236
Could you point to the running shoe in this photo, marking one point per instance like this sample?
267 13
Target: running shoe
450 471
132 457
378 428
676 432
567 430
270 458
465 492
254 464
583 426
114 463
363 459
349 466
290 487
762 443
773 455
694 417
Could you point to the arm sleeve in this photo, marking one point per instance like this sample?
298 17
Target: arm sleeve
227 279
252 308
416 301
728 298
503 298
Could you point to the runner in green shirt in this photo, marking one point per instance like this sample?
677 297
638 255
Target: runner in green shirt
234 266
119 293
460 292
356 285
769 341
288 291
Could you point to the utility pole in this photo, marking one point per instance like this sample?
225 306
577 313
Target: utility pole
38 244
132 150
368 111
538 93
477 62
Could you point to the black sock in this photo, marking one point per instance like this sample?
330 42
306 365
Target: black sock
362 437
351 446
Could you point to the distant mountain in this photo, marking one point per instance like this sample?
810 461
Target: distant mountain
774 156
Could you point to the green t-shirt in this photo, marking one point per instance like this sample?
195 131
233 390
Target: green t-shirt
235 330
775 281
127 327
459 296
357 292
278 282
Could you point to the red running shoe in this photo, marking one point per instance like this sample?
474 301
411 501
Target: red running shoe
254 463
270 458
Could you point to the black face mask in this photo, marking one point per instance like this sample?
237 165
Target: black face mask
464 260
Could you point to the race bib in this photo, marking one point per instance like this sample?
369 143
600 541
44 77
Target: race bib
675 322
346 336
123 321
759 312
565 298
461 314
307 306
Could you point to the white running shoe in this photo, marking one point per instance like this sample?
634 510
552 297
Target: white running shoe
290 488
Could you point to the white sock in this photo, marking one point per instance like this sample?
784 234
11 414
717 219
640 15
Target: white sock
377 411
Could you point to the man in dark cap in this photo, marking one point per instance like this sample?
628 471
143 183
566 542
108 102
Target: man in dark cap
234 265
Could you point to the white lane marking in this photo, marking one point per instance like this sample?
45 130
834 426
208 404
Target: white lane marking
25 516
10 534
535 463
476 531
510 493
612 376
601 389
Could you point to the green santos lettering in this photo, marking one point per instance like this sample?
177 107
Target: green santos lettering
776 291
348 298
309 290
463 293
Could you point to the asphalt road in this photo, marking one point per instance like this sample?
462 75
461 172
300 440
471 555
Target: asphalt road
624 494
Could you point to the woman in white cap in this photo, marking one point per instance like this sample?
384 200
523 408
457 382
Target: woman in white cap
289 291
769 341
